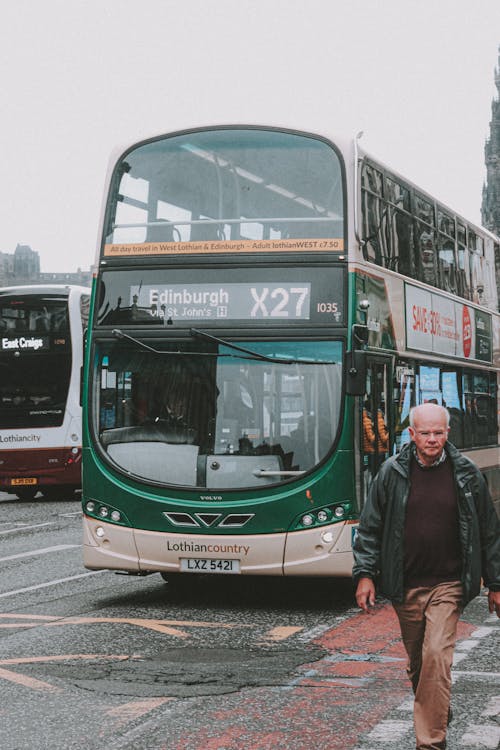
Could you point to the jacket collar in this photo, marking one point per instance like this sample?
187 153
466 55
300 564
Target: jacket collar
462 466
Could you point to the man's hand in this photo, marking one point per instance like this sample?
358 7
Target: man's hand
494 602
365 594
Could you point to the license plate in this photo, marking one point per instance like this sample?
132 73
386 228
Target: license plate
23 480
204 565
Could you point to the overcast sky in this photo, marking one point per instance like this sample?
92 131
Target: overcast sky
80 77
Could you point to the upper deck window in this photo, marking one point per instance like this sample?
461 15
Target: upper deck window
19 314
228 190
406 231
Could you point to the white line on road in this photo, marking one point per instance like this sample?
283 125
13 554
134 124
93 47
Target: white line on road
493 707
26 528
52 583
42 551
493 676
390 730
481 736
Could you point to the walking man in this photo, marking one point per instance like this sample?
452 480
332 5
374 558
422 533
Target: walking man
427 536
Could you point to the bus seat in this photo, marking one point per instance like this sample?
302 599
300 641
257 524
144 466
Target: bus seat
161 462
148 432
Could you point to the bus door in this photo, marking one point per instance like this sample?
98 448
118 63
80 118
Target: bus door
375 429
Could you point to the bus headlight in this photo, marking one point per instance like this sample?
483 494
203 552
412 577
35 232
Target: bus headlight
106 512
329 514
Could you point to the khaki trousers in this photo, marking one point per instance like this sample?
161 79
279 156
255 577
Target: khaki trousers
428 618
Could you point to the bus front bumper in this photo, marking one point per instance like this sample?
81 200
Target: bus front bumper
300 553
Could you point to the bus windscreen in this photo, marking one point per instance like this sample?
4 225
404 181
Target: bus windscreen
234 190
35 361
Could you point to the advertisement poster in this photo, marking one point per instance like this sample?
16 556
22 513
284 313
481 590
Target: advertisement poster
437 324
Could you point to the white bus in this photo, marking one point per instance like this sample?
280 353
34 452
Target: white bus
41 349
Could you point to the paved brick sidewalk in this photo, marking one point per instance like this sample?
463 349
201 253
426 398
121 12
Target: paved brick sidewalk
357 696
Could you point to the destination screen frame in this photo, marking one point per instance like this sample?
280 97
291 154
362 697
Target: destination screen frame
263 296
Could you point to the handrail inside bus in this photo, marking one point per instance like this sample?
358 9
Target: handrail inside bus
269 473
245 220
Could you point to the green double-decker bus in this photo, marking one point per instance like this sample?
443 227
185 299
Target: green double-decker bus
253 308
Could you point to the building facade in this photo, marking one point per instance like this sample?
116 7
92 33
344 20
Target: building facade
490 209
23 267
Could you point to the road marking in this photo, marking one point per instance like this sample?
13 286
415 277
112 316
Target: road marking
24 617
484 736
29 617
41 551
27 528
29 682
166 627
315 632
468 644
483 632
51 583
407 705
470 673
34 684
390 730
492 707
281 633
128 712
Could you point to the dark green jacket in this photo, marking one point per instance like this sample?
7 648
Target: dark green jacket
378 547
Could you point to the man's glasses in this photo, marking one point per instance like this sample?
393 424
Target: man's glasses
438 434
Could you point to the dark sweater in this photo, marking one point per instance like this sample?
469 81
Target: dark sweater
431 539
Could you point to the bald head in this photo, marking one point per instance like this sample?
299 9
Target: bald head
429 427
429 411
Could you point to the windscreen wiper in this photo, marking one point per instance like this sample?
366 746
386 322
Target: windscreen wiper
119 334
255 355
195 332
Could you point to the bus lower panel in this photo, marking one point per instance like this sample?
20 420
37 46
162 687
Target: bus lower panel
40 469
303 553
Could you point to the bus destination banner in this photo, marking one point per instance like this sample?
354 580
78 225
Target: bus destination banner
26 343
443 326
260 296
320 245
224 301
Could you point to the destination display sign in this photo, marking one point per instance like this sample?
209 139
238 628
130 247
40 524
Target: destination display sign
220 301
28 343
258 296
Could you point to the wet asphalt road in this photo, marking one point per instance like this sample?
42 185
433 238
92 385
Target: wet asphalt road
95 660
